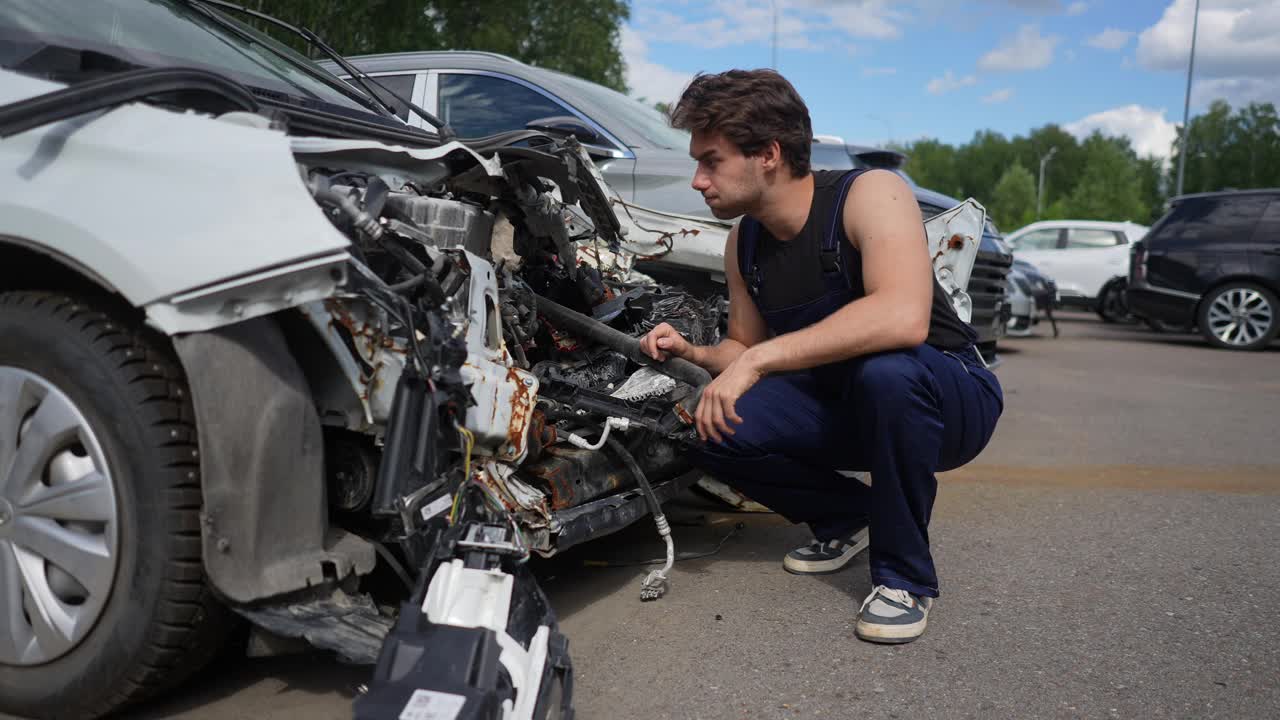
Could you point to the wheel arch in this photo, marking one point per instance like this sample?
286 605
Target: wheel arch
29 265
1235 278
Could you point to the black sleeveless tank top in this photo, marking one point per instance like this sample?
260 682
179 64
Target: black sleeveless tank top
791 273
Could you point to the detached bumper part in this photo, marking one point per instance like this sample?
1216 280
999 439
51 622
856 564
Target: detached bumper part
481 644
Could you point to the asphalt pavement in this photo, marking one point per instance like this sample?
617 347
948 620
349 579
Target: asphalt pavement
1112 554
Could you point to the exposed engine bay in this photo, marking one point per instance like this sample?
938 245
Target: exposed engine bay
497 407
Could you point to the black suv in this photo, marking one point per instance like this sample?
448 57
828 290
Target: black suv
1213 261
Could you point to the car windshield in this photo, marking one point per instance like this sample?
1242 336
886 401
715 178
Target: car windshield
36 35
646 120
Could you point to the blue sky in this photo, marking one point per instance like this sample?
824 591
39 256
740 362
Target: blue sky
873 70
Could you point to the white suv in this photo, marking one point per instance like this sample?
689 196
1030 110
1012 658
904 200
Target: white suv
1089 259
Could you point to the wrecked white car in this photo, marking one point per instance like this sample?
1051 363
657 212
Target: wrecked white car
266 352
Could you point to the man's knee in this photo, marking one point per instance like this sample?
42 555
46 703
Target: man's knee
889 375
760 430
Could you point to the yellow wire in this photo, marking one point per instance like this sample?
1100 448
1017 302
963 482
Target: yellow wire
466 471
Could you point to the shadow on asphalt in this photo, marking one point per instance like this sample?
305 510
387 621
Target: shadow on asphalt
310 674
572 581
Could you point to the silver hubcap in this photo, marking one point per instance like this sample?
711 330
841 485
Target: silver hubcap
1240 316
58 518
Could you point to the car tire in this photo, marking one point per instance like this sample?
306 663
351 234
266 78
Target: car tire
1239 316
1111 306
154 619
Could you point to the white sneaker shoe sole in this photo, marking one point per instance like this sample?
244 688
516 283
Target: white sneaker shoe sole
892 634
861 541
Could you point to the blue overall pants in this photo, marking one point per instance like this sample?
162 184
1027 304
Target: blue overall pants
901 415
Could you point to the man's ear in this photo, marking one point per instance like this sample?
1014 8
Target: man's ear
771 157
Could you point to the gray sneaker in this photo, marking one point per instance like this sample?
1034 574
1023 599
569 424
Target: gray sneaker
818 558
889 615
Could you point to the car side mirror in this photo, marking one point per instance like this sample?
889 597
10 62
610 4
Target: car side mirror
567 126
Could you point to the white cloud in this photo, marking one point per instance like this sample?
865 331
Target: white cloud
647 79
861 18
1110 39
1027 50
1147 129
878 71
1237 47
1077 8
727 23
949 82
999 96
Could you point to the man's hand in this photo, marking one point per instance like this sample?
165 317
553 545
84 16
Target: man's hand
663 342
716 408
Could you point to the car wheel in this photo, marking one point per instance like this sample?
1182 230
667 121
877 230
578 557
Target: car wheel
103 599
1239 316
1111 305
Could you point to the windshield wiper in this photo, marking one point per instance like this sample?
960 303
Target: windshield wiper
446 132
117 89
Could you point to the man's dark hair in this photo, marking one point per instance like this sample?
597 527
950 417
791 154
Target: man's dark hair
750 108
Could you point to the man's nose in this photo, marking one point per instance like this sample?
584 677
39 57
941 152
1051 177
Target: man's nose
700 182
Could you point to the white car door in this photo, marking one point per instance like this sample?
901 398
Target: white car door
1040 248
1090 258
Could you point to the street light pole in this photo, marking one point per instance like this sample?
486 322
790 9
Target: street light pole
1044 160
1186 107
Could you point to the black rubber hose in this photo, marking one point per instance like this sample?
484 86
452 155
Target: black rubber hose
642 480
589 328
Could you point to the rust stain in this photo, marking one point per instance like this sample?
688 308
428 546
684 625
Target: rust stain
544 434
521 407
373 337
955 242
683 414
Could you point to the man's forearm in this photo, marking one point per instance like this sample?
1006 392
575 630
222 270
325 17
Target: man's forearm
715 358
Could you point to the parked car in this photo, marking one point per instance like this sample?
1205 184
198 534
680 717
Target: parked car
1213 261
1031 293
1089 260
269 353
868 157
481 94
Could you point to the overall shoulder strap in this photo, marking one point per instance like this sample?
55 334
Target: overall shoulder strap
832 253
748 234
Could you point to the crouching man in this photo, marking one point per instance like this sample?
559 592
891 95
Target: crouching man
843 352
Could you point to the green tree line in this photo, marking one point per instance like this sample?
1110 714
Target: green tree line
579 37
1101 177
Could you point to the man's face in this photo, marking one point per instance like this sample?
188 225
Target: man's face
729 181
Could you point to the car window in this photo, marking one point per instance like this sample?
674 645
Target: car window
651 124
159 33
1212 220
480 105
1039 240
1089 238
398 85
1268 230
